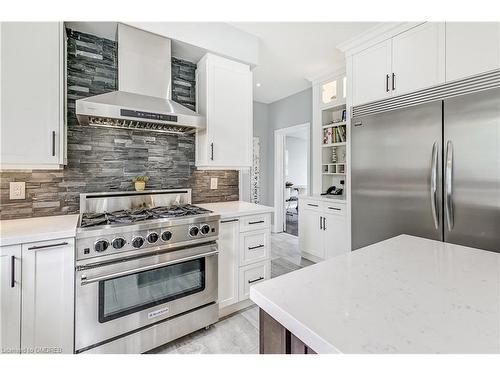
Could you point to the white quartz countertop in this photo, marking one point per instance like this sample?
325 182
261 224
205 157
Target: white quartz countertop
402 295
37 229
236 208
325 198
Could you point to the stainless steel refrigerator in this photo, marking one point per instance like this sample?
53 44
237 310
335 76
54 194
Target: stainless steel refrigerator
429 170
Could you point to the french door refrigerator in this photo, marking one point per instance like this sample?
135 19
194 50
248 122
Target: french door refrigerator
430 170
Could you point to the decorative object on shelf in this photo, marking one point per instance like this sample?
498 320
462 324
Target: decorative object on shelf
334 155
140 182
255 172
344 115
342 155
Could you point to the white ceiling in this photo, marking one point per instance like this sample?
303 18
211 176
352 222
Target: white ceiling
292 52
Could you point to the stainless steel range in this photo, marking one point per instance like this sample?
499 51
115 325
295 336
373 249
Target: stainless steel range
146 270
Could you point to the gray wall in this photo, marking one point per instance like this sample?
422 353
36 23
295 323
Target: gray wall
293 110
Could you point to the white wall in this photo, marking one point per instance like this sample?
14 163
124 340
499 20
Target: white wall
296 169
261 129
217 37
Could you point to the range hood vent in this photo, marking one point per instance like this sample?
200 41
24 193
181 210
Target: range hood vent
144 82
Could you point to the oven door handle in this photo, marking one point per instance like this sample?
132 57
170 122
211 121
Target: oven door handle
85 281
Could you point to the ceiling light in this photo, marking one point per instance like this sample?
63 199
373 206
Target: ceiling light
257 84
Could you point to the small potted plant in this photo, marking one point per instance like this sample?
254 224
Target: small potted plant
140 182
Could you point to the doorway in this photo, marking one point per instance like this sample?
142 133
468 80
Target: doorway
292 159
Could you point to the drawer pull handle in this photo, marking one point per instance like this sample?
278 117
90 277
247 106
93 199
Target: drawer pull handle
12 271
255 247
312 205
335 208
256 222
228 221
255 280
46 246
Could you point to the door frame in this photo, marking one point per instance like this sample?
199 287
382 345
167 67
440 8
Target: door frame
279 171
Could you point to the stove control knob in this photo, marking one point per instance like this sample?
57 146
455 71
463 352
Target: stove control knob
193 231
152 237
118 243
101 245
205 229
166 236
137 242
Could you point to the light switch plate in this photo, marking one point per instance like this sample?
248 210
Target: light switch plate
213 183
17 190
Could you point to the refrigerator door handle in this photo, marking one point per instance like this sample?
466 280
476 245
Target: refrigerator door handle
434 178
449 185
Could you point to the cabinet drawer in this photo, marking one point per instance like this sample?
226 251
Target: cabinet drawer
251 275
254 246
310 204
255 222
334 208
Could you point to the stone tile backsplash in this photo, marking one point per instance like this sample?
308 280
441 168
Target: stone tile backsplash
106 159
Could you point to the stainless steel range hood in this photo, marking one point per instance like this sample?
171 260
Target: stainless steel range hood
144 83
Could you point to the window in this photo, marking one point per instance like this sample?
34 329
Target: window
329 92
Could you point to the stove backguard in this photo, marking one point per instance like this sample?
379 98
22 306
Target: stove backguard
133 200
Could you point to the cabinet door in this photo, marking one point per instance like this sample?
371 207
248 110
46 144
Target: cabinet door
371 69
48 295
418 58
10 299
311 232
32 133
228 262
471 48
229 121
335 235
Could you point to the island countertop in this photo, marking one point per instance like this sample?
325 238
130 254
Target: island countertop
402 295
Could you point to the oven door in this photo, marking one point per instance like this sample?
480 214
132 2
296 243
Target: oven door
116 298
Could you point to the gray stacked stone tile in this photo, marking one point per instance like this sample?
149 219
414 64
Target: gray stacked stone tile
184 82
106 159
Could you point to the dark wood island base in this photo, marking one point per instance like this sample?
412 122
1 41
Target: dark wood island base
276 339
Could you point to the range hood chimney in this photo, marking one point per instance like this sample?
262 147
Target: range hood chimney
144 83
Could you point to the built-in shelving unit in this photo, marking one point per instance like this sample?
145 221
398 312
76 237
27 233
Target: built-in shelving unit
330 122
333 143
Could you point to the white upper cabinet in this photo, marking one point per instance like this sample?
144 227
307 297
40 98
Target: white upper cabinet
224 97
409 61
471 48
371 71
32 95
418 58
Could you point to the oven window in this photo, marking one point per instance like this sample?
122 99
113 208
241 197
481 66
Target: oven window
128 294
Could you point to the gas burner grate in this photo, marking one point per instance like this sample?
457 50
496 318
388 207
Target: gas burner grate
143 214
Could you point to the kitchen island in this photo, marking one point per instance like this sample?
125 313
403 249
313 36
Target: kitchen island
403 295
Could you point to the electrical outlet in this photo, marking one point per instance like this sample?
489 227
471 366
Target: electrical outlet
17 190
213 183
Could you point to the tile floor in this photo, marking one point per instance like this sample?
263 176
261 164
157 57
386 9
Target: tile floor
239 333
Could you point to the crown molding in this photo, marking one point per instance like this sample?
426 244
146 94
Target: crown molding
374 35
327 74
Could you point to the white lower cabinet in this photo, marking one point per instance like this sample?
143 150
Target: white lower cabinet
48 296
244 257
10 299
253 274
311 232
38 307
322 228
228 262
